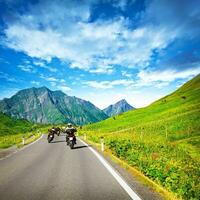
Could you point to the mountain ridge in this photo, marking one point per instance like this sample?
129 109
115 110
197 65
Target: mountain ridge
42 105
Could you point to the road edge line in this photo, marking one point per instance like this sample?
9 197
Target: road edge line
18 150
114 173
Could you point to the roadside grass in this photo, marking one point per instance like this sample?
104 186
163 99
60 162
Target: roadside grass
133 171
162 140
9 140
12 131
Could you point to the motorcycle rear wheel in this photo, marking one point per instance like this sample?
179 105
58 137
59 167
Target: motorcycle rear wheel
71 145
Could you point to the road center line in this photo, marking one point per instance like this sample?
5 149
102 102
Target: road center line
119 179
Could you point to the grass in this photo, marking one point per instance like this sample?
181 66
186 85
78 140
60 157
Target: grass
161 140
12 131
133 171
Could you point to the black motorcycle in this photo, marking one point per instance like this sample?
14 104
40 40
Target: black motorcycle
70 139
50 136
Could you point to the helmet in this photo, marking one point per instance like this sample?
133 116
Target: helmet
69 125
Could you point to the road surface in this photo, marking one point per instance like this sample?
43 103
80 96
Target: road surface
54 171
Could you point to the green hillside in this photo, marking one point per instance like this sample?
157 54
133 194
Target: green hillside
12 130
161 140
10 125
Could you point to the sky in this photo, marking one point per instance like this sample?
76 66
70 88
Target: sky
101 51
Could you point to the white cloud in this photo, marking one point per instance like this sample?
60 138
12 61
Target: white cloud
27 68
102 70
2 60
53 84
99 85
7 77
35 83
43 65
126 74
122 4
94 46
56 83
163 78
39 63
108 84
182 16
49 78
64 88
51 69
62 80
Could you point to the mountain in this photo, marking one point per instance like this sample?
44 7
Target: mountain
42 105
119 107
161 140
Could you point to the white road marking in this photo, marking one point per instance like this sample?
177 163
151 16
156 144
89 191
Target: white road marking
18 150
119 179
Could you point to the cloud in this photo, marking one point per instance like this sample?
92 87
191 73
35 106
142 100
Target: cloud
108 84
2 60
154 78
122 4
64 88
7 77
39 63
35 83
49 78
56 82
108 44
126 74
62 80
92 46
27 68
163 78
102 70
181 16
43 65
53 84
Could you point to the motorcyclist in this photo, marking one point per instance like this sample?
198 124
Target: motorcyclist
51 132
70 130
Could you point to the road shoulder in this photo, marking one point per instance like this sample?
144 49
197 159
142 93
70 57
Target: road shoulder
137 185
5 153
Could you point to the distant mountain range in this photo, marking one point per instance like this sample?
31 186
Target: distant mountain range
42 105
119 107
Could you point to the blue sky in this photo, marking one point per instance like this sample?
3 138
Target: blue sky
101 51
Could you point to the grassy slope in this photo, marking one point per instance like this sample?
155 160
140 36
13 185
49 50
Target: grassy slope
162 140
12 130
9 125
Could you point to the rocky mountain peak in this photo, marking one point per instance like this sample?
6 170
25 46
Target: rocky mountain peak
117 108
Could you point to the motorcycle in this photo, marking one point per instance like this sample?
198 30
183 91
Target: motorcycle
57 131
70 141
50 136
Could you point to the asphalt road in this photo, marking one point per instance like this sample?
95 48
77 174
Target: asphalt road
54 171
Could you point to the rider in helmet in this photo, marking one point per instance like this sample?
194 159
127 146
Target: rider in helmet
70 130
